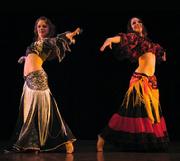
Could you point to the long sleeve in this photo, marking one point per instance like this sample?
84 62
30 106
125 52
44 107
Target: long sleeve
51 48
132 46
127 48
62 46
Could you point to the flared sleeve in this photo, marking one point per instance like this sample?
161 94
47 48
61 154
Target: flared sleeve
51 48
62 46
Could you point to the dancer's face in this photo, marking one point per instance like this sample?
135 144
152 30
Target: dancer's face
136 25
42 29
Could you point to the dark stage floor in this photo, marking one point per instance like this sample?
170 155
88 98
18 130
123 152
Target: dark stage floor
85 150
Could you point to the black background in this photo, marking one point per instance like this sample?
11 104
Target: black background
88 86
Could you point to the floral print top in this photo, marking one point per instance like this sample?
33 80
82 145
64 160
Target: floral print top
132 46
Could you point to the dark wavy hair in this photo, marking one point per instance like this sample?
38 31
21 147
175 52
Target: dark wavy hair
49 23
129 27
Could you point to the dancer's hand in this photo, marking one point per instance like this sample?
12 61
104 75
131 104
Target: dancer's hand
71 35
107 43
21 59
164 56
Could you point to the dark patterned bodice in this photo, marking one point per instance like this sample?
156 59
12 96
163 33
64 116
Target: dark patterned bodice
50 48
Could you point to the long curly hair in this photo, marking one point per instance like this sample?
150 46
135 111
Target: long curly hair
49 23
